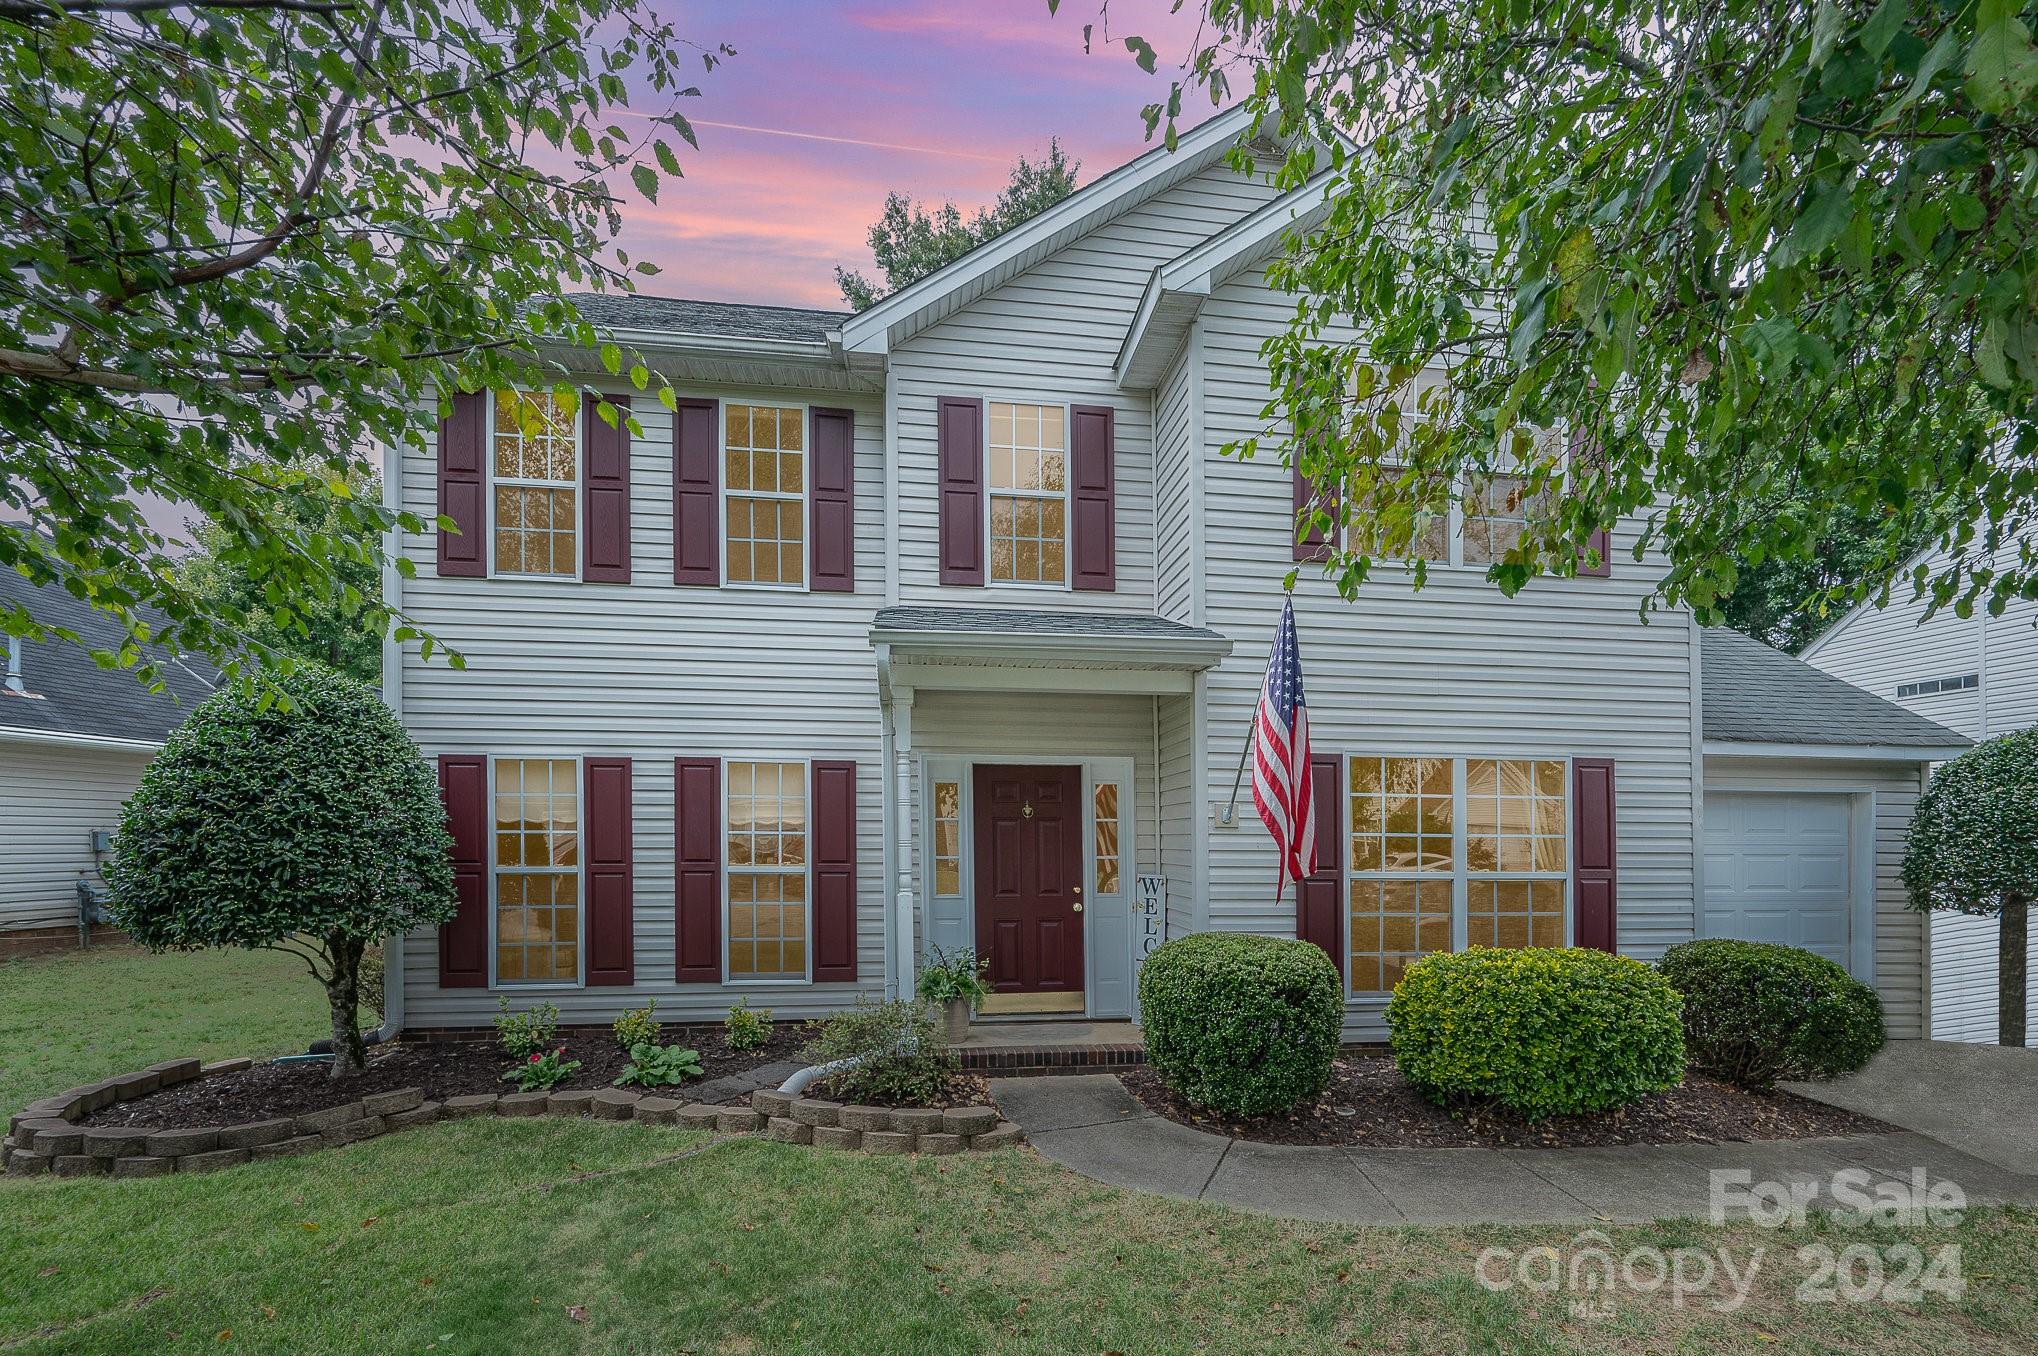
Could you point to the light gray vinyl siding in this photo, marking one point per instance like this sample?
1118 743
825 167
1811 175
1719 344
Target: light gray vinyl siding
560 668
51 799
1052 335
1174 458
1565 669
1900 943
1880 649
1181 822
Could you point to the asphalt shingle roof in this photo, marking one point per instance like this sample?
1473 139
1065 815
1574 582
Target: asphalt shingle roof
732 319
75 696
1023 622
1757 695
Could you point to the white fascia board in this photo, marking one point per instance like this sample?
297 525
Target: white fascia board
1884 753
869 330
1128 651
80 741
817 351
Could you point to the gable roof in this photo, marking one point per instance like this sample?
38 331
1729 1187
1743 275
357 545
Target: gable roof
72 696
1175 293
716 319
949 288
1753 694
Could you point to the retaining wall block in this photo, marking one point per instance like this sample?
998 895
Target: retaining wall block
144 1165
657 1110
738 1120
77 1165
212 1162
177 1143
114 1141
969 1120
939 1143
837 1137
422 1114
771 1102
887 1142
786 1130
286 1148
248 1134
917 1120
170 1072
318 1122
614 1104
389 1103
521 1104
366 1128
700 1116
1004 1135
864 1118
813 1111
472 1104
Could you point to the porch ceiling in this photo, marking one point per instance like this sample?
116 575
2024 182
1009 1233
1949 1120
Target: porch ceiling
1026 649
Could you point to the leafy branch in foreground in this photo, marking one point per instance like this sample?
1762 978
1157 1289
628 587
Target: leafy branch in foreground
251 241
1744 269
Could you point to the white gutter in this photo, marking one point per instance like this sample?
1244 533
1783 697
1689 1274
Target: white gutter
1126 651
59 739
1887 753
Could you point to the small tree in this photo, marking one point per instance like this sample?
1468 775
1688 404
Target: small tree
1974 847
309 826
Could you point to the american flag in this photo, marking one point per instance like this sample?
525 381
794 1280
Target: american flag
1281 755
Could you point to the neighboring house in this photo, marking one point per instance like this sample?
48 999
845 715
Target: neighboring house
943 624
1978 675
74 738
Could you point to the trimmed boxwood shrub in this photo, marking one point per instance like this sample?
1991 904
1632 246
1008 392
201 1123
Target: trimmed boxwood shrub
1755 1012
1541 1031
1241 1024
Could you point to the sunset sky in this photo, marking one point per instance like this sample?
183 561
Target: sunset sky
826 107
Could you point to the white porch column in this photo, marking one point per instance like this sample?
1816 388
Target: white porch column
902 820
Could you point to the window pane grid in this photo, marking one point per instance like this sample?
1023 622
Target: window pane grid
537 876
1029 485
764 474
535 452
1401 815
767 853
1515 816
947 838
1104 820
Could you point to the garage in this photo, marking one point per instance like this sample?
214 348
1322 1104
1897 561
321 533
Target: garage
1779 867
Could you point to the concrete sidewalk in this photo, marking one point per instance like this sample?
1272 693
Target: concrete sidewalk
1093 1126
1981 1099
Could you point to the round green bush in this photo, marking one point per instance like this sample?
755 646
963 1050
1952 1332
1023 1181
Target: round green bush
1241 1024
1541 1031
1755 1012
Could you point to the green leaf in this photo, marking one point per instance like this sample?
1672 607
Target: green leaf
1143 53
2002 66
1883 26
646 180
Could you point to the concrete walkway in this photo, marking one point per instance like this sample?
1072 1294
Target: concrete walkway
1982 1099
1092 1125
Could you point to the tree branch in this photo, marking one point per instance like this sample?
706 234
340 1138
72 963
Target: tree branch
32 11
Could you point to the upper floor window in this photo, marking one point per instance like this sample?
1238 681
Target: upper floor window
764 475
535 449
1028 448
1927 687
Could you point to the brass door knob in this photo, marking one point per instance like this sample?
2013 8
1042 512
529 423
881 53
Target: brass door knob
1078 906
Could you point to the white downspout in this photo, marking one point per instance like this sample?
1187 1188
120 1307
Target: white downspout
888 814
902 918
392 696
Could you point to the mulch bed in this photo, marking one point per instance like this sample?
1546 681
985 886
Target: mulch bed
959 1090
1369 1103
442 1069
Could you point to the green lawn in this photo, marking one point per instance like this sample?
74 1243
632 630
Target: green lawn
77 1016
547 1236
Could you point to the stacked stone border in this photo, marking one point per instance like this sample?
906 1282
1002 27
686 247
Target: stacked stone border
43 1137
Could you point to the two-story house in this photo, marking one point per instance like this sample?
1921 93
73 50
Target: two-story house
943 624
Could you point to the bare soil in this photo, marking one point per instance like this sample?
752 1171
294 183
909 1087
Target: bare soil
1369 1103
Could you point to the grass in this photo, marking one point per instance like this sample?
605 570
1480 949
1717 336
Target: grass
555 1236
77 1016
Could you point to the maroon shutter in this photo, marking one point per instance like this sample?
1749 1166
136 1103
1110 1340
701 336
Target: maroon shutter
1093 499
697 834
610 872
463 941
463 469
1319 898
834 843
1601 543
696 517
1592 853
959 427
1310 545
830 507
605 492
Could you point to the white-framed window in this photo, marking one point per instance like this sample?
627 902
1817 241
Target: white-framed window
536 914
534 455
1026 446
767 883
1447 852
764 495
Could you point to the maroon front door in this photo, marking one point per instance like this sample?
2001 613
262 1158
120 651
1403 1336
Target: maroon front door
1029 898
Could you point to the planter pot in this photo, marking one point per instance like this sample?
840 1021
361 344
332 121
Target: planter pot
955 1019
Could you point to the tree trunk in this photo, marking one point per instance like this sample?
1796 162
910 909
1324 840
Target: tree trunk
343 992
2013 950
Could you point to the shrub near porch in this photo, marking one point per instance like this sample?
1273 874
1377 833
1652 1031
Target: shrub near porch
1241 1023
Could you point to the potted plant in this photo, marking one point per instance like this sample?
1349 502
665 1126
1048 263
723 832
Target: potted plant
955 981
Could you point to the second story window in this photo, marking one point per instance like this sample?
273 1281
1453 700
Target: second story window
1028 455
535 437
764 470
1496 511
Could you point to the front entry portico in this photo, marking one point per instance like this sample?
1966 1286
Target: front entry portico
1029 885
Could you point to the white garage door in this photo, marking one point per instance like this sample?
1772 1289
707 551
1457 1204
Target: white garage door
1778 869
